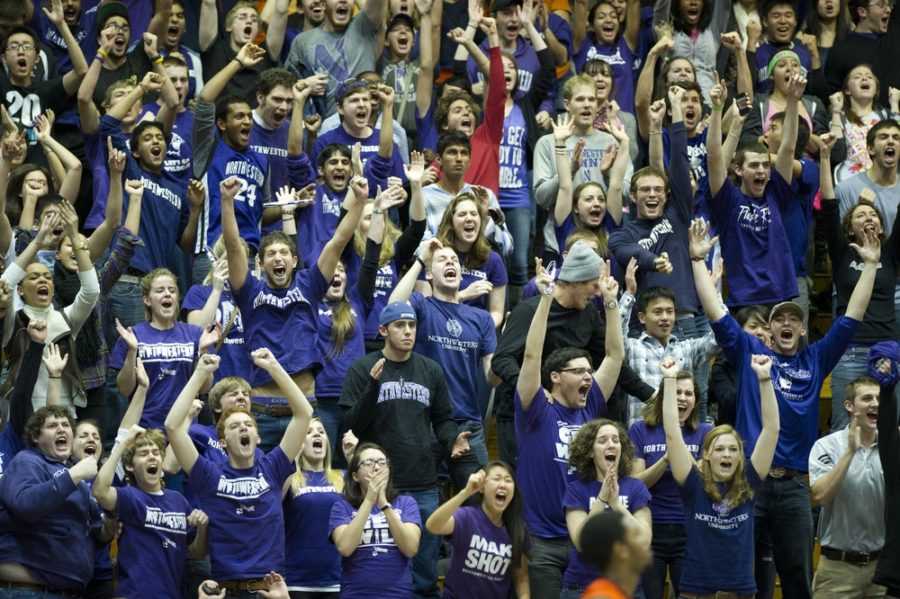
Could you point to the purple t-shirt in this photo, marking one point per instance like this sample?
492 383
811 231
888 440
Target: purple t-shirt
330 380
621 61
311 559
457 337
316 224
377 568
153 544
481 561
719 553
514 189
278 318
235 359
168 357
179 149
753 234
650 446
581 495
241 502
492 270
544 432
368 150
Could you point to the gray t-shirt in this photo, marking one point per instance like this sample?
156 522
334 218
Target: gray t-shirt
340 55
854 520
886 198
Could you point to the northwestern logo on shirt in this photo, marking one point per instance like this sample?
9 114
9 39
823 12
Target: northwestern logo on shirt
487 557
662 227
294 296
754 217
157 352
326 489
377 534
720 519
244 169
478 274
331 206
567 432
270 151
243 488
158 190
175 522
392 390
608 59
384 280
661 448
454 328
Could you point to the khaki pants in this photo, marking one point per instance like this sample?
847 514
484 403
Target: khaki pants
835 579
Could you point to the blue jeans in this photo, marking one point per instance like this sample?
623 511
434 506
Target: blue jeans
669 541
271 430
783 515
852 365
201 268
520 224
462 467
425 561
28 594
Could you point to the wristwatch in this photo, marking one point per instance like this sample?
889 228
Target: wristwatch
612 305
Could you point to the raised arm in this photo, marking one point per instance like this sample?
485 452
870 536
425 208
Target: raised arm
657 112
870 252
237 259
679 456
209 24
562 130
176 422
277 27
20 405
386 96
700 244
376 12
72 79
607 373
632 24
87 110
248 56
768 436
716 167
440 522
206 315
429 50
579 22
358 193
617 172
643 90
784 161
102 488
70 182
530 373
102 236
301 412
407 284
152 82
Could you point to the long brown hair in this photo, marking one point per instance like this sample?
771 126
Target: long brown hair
343 322
480 250
852 117
581 449
847 222
652 410
598 233
353 492
739 489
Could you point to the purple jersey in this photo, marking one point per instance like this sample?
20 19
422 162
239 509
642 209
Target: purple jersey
752 233
283 320
235 359
178 149
650 446
168 357
544 432
317 224
581 495
153 544
457 337
376 568
481 561
620 59
514 189
312 561
242 500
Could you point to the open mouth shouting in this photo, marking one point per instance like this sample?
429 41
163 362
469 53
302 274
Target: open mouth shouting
173 35
450 273
470 230
404 42
611 457
61 444
43 293
726 466
342 13
890 154
583 390
91 448
608 31
244 440
501 498
466 125
119 44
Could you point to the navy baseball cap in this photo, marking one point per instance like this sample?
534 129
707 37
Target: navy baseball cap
396 311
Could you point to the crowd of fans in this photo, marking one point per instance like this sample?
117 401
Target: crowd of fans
274 269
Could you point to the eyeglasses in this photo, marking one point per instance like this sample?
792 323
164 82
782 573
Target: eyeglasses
648 189
370 463
16 46
888 4
124 28
578 371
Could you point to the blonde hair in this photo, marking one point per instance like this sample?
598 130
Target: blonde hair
335 477
739 489
150 437
391 235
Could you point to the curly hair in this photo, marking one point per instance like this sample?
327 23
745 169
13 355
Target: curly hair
847 222
36 421
481 249
581 449
152 436
738 489
442 108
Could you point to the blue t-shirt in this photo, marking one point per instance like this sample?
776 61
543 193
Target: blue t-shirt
179 149
719 554
752 233
235 361
272 145
544 432
799 213
330 379
153 543
797 380
312 561
650 446
377 568
621 61
168 357
581 495
283 320
514 189
457 337
242 502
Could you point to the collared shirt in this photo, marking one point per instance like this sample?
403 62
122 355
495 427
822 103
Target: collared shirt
854 520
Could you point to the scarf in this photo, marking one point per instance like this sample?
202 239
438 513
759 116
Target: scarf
87 342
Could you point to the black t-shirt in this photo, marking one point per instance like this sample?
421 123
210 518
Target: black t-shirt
217 56
136 65
25 105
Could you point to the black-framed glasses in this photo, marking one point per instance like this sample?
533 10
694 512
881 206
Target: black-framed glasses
370 463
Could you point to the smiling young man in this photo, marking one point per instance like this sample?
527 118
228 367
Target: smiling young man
47 506
279 311
159 528
782 504
580 100
243 494
545 425
749 216
847 480
396 397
